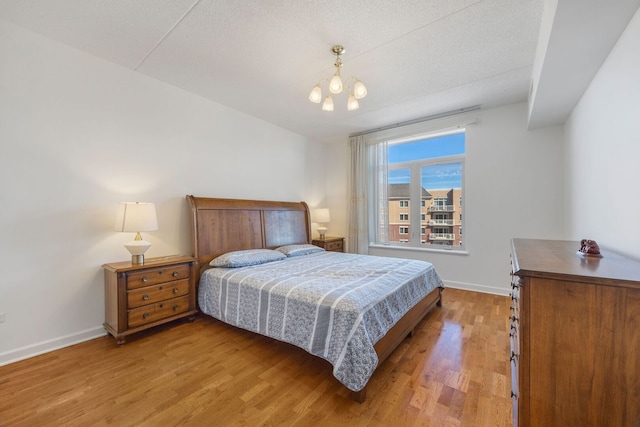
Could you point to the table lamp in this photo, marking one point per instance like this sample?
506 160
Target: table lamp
134 217
322 217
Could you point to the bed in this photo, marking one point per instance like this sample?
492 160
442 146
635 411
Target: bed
351 310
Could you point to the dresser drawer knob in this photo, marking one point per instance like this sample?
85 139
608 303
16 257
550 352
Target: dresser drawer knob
145 315
174 274
161 305
145 279
175 306
175 290
145 297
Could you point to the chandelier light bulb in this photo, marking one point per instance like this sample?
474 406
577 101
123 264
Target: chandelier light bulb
335 85
316 94
327 105
359 90
352 103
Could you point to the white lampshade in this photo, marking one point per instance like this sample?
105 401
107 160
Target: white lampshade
359 90
327 105
321 216
316 94
352 103
134 217
335 84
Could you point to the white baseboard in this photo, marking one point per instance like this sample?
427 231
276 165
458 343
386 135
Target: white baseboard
477 288
50 345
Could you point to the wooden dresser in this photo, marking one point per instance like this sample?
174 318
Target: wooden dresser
139 297
575 336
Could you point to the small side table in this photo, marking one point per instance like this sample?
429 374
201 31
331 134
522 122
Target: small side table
139 297
332 244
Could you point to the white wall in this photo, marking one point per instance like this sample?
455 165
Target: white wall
602 150
79 135
513 188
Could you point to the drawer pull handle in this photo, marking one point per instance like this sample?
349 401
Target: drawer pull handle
161 305
175 306
145 279
174 274
160 288
145 315
145 297
175 290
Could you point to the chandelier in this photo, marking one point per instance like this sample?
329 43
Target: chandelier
336 86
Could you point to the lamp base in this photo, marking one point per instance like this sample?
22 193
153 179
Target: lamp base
137 259
322 231
137 248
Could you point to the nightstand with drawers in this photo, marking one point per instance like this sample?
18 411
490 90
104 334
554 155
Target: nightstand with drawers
332 244
141 296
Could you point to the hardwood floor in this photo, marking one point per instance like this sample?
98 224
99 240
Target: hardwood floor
454 371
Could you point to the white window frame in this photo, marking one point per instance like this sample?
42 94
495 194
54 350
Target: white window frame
415 201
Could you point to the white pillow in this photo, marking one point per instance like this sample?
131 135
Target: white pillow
246 258
297 250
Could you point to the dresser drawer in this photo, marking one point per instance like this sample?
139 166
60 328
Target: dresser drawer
158 311
156 293
334 246
152 276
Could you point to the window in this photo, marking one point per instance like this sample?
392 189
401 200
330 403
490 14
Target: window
425 173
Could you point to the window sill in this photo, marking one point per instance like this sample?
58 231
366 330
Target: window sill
414 249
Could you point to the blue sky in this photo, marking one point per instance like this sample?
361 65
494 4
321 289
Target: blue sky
443 176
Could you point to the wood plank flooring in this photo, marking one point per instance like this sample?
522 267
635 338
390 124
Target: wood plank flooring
454 371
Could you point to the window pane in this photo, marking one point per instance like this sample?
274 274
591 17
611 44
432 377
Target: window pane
448 145
398 194
444 211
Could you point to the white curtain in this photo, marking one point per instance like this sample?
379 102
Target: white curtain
378 163
358 183
367 180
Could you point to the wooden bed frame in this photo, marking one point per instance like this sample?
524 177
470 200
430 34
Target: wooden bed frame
222 225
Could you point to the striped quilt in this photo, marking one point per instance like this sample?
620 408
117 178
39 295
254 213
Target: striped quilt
333 305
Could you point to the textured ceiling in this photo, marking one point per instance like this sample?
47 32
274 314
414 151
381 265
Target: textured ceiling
416 57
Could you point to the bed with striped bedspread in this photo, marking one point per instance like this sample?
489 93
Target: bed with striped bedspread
333 305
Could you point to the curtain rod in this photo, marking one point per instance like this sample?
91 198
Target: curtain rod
420 120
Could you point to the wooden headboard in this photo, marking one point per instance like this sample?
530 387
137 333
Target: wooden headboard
222 225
